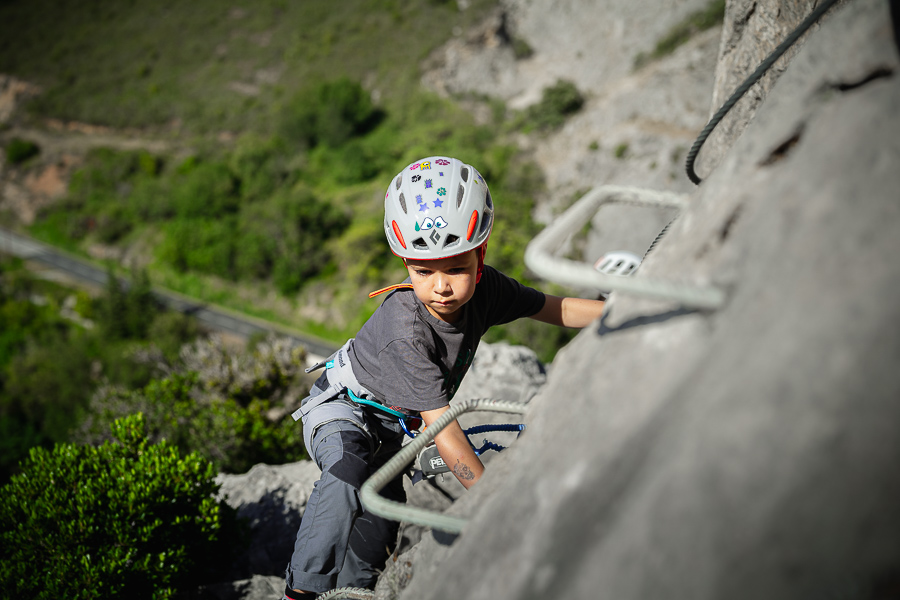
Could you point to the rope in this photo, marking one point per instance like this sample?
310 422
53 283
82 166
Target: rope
347 593
748 83
397 511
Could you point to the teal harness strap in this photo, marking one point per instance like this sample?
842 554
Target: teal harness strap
377 405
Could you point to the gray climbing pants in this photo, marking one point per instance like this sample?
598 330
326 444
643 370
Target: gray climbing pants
339 543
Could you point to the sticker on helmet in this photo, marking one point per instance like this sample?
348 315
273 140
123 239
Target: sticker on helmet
416 178
414 167
427 184
423 207
429 223
442 161
442 191
438 203
418 198
441 173
425 165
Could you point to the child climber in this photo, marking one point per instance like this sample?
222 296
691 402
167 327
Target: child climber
407 360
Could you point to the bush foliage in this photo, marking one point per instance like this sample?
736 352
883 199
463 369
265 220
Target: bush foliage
557 103
229 408
707 17
51 365
126 518
19 150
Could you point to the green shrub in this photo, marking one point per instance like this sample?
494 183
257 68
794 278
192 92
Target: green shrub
207 190
232 431
521 48
557 102
701 20
330 114
201 245
260 166
127 310
19 150
300 225
125 518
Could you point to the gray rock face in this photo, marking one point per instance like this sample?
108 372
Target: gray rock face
272 500
635 126
746 453
752 30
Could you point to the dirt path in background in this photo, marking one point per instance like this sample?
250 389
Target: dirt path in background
41 181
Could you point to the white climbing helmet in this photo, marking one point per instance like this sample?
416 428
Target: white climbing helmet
437 207
618 263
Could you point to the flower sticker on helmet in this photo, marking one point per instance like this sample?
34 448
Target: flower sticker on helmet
427 184
442 191
442 161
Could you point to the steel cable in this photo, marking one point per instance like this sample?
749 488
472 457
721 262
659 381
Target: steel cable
748 83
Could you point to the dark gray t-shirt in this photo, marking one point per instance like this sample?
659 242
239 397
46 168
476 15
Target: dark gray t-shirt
410 359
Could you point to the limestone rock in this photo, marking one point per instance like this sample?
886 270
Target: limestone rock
272 499
749 452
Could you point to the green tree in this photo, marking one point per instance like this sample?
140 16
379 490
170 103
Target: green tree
128 308
330 114
125 518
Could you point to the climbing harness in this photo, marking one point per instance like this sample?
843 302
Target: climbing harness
748 83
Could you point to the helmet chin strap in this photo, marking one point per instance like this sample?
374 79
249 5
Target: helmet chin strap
480 251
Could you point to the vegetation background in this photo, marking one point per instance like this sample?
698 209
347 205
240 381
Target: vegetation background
283 122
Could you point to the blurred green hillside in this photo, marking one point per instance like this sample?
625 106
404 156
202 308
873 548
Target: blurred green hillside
286 121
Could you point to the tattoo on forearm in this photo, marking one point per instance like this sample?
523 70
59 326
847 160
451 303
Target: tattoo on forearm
462 471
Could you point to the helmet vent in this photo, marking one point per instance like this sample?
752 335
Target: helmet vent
419 244
488 218
452 240
398 181
464 173
403 202
460 192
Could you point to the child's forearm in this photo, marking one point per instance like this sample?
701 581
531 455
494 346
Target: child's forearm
569 312
455 449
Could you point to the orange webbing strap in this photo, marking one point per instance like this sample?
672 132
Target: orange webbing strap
390 288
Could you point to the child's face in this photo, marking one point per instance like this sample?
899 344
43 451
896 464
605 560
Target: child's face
444 285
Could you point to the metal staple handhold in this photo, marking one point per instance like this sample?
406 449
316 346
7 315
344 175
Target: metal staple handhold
397 511
540 259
